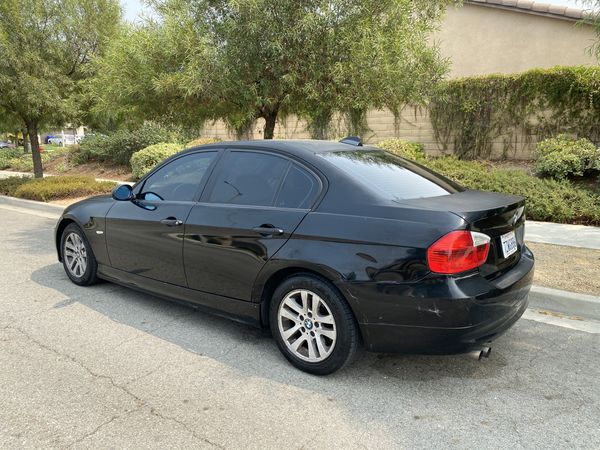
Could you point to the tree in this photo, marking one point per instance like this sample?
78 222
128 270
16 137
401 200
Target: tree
10 123
139 78
592 17
44 48
241 60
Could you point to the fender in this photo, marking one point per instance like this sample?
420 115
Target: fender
89 215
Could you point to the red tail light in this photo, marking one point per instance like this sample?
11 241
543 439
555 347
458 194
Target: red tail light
458 251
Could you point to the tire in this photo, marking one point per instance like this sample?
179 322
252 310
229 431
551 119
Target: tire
313 325
78 258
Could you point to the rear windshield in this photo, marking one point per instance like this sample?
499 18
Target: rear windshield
389 176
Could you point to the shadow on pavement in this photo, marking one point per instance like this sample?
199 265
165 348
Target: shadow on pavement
241 346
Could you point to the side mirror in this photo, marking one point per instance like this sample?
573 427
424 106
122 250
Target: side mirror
122 193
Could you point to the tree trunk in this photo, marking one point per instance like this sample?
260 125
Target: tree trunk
270 121
25 134
38 170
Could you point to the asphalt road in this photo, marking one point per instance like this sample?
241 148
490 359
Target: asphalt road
106 367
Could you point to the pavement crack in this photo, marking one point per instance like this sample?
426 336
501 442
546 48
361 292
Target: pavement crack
141 403
186 427
93 432
80 364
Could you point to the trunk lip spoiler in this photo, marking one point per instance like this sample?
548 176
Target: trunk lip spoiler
470 212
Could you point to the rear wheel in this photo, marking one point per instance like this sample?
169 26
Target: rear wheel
313 325
77 256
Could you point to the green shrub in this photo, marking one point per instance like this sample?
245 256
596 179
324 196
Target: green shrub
23 162
547 199
201 141
7 154
118 148
405 149
51 188
563 156
10 184
148 158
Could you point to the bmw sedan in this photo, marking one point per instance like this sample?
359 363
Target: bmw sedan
329 245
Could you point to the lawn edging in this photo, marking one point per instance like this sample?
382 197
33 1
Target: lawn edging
32 204
565 302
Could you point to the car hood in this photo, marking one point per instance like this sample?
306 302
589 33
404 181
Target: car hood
100 200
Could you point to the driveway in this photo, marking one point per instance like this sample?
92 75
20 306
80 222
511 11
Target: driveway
107 367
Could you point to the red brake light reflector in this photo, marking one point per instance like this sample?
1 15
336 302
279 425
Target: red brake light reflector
458 251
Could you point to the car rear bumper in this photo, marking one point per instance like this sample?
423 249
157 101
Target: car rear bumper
440 315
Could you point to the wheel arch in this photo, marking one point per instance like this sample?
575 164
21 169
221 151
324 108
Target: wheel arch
60 228
263 291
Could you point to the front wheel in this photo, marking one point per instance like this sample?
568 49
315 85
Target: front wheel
313 325
77 256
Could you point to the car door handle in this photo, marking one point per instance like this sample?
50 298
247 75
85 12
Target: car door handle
268 230
171 222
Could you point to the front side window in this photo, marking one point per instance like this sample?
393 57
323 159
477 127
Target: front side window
248 178
179 180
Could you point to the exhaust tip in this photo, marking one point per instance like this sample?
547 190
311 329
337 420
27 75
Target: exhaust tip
480 354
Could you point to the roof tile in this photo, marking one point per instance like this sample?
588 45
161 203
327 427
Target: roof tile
534 7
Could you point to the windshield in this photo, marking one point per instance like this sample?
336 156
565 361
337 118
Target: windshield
389 176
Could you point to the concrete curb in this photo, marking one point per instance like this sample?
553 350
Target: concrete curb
565 302
31 204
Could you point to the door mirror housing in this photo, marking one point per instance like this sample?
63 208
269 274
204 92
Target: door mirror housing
123 193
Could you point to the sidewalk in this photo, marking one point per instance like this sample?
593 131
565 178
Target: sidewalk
10 173
563 234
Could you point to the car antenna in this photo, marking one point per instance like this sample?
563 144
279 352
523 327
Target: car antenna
352 140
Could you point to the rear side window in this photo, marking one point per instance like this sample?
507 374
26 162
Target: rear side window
248 178
389 176
299 189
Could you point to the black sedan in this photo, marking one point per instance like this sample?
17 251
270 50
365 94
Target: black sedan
327 244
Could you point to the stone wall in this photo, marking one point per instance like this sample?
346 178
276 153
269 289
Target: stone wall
414 125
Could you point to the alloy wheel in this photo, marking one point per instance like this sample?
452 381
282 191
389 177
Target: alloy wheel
75 255
306 325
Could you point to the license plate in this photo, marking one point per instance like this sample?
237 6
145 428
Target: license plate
509 243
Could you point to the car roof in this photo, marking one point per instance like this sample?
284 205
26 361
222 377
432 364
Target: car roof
298 147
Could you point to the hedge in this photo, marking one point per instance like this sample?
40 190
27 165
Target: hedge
547 199
146 159
52 188
117 148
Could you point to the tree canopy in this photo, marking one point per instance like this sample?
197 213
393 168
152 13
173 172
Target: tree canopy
241 60
44 48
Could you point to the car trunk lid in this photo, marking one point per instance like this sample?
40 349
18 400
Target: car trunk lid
494 214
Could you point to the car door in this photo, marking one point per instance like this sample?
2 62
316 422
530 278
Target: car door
145 236
252 204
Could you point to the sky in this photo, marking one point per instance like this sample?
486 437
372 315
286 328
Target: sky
133 8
